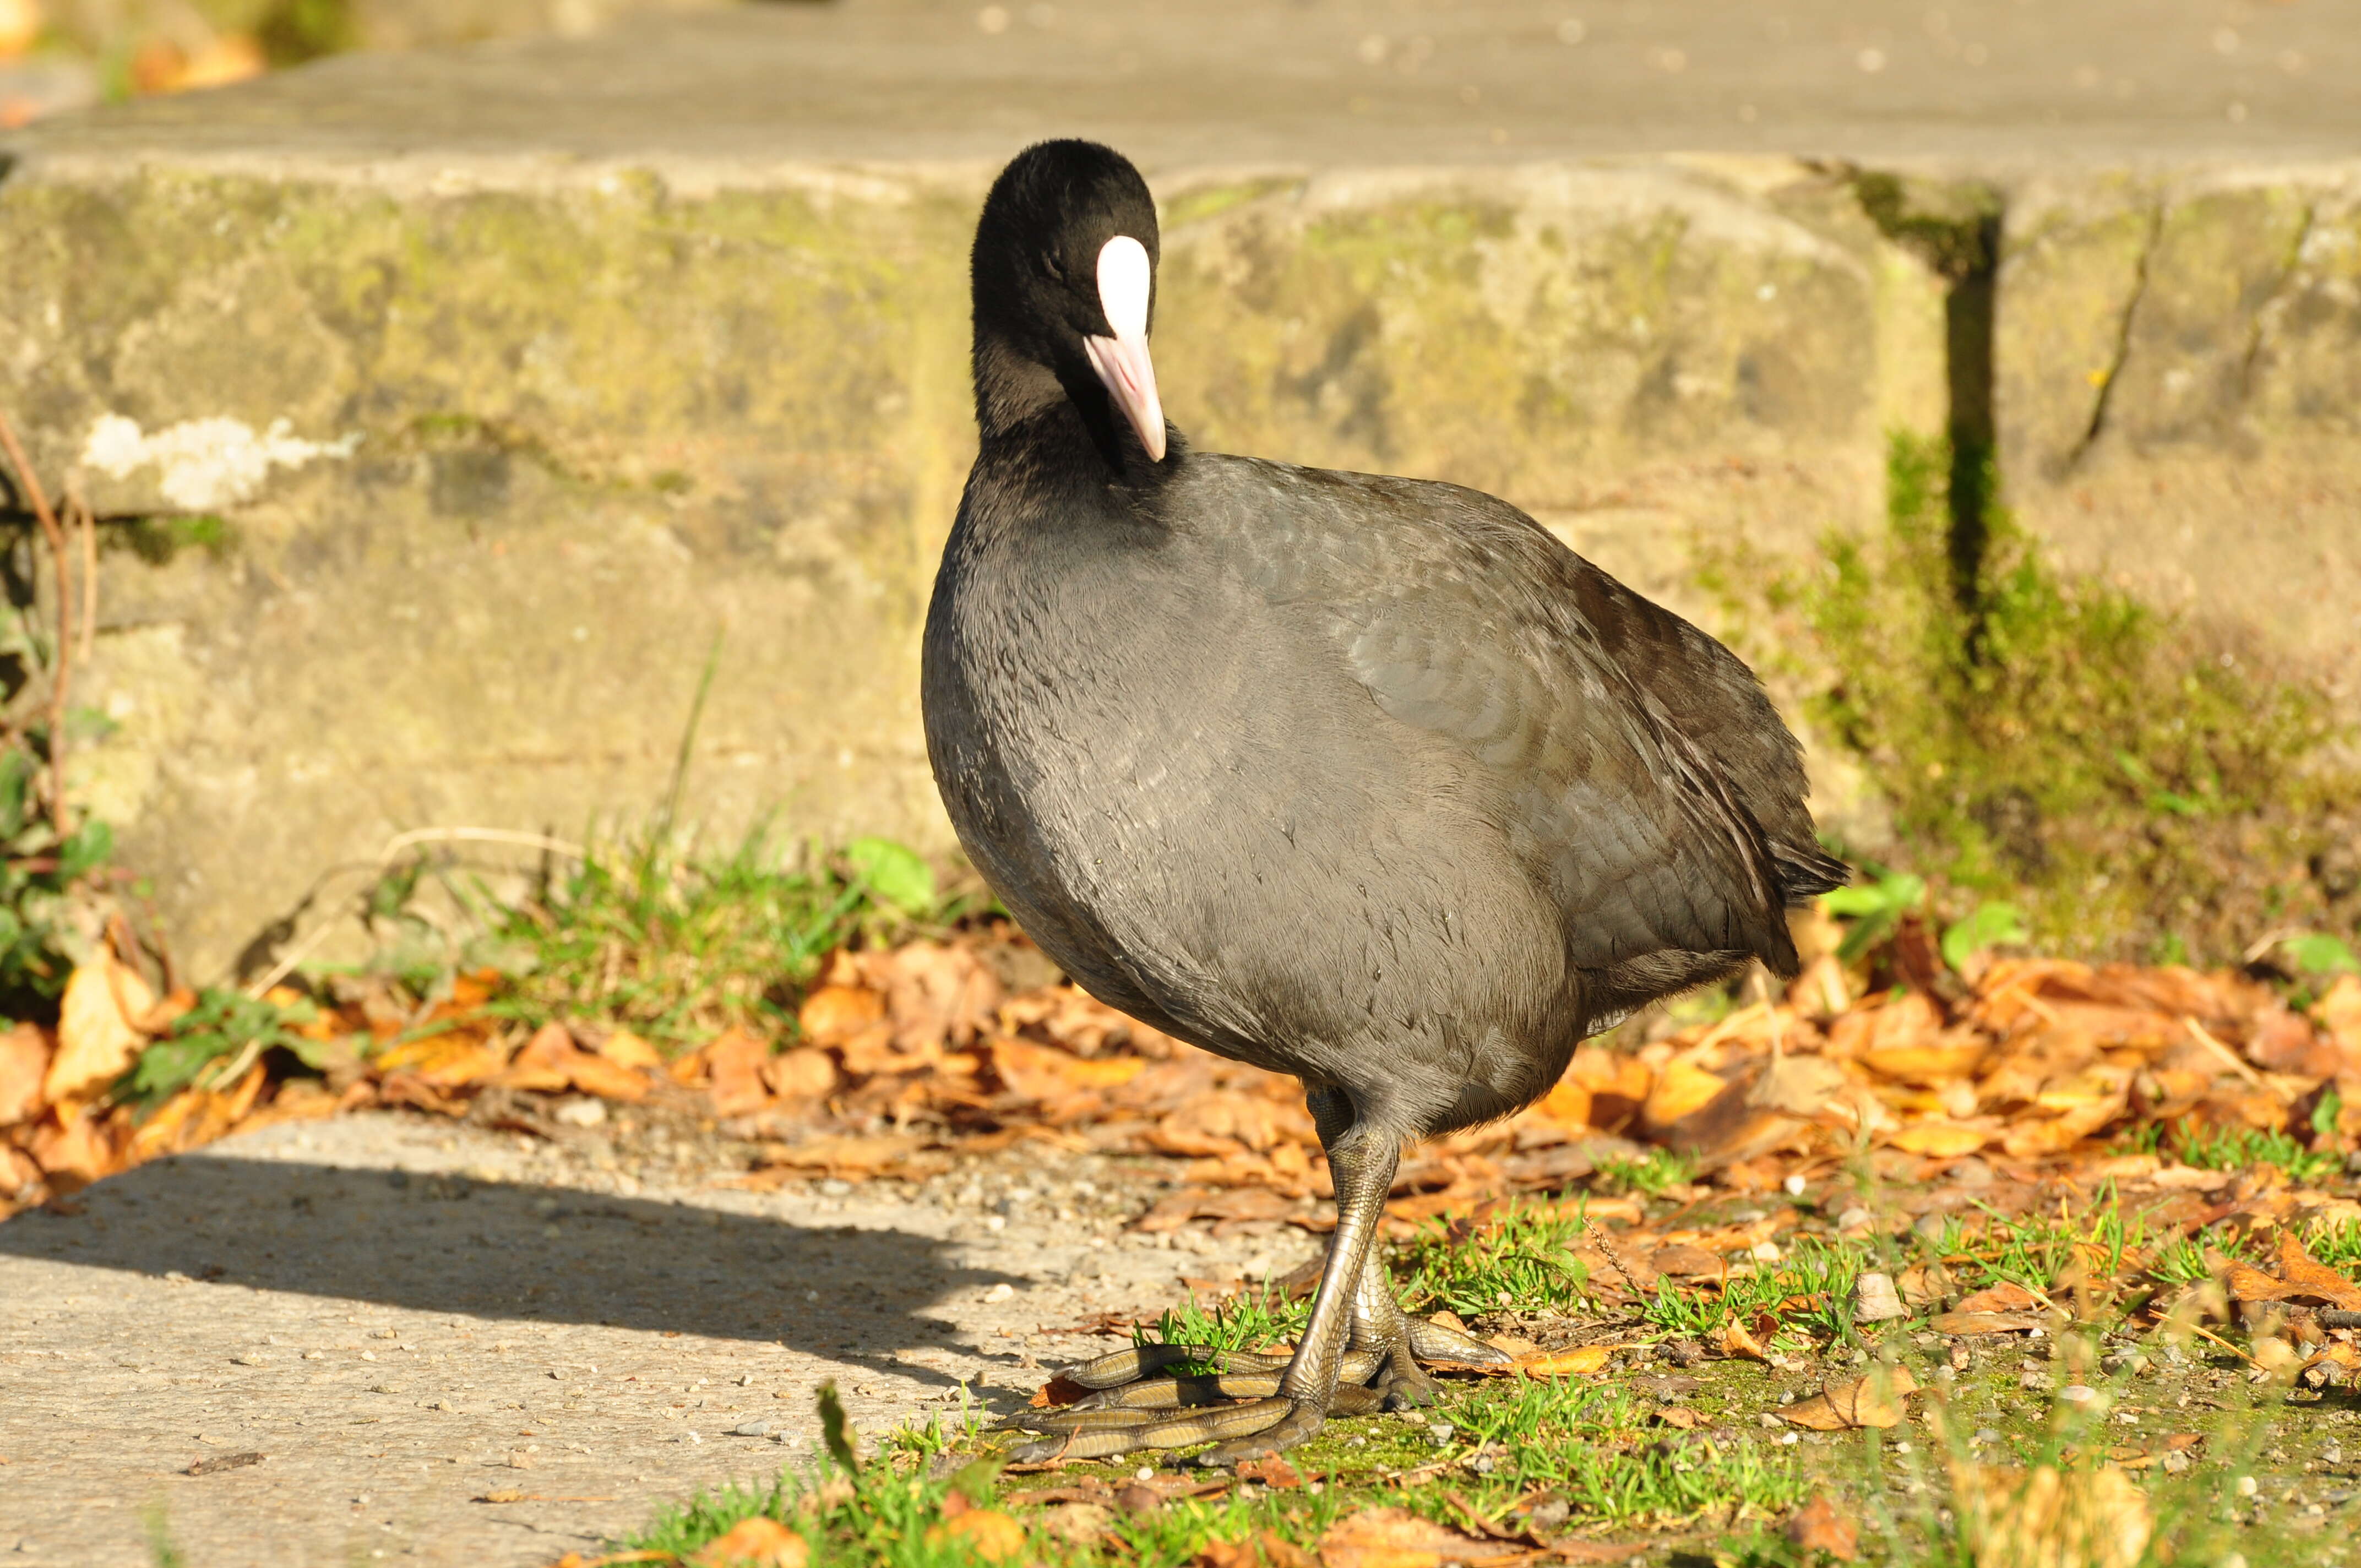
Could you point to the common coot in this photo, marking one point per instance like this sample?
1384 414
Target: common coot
1365 780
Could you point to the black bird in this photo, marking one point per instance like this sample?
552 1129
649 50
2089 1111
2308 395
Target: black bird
1365 780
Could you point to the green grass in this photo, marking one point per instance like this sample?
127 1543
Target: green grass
1650 1173
1807 1295
2241 1148
1524 1259
1594 1446
673 943
2336 1243
679 949
1248 1320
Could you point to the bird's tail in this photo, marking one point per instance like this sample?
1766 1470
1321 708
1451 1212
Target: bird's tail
1805 870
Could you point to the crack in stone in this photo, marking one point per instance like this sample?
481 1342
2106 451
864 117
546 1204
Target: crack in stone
2098 424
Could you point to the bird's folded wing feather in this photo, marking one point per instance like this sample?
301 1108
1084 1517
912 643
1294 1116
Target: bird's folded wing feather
1460 618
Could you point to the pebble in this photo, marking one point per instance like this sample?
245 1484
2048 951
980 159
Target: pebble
751 1429
2078 1393
1439 1430
1874 1300
1853 1218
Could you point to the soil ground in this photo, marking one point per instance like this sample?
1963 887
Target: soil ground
405 1317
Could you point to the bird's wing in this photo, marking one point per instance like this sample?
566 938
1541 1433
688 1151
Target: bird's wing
1462 618
1710 696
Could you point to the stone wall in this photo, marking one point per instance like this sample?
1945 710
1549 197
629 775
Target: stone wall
432 489
444 495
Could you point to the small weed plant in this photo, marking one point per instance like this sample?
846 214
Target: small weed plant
1524 1259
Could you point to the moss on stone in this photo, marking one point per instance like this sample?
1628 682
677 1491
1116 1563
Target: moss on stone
2141 786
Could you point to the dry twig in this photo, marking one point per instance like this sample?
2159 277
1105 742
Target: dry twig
61 671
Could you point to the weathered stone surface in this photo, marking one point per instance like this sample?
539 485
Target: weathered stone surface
2180 372
497 466
448 405
538 455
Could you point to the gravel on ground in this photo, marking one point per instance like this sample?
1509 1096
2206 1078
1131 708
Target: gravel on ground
450 1345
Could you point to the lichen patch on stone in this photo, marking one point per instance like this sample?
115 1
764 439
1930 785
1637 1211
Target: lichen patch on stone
204 463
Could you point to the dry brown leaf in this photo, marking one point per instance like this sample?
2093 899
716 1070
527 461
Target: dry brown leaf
1737 1342
1396 1538
2049 1518
733 1066
1683 1089
2339 1012
607 1080
1272 1470
1984 1322
1580 1361
1226 1121
1873 1399
1078 1524
1931 1064
2029 1140
936 995
1045 1073
2299 1269
1924 1284
2002 1297
848 1154
989 1533
834 1014
756 1543
1679 1416
537 1066
2335 1362
626 1049
1820 1526
1686 1262
24 1061
1939 1140
449 1061
96 1041
1568 1103
74 1149
802 1073
1262 1550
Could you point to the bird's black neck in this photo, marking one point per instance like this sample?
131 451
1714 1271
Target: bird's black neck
1062 411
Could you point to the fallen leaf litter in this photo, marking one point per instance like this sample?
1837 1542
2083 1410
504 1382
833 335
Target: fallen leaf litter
904 1056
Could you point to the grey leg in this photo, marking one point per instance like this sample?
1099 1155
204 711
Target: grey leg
1357 1336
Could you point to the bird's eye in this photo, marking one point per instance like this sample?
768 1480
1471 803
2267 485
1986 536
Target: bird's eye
1054 267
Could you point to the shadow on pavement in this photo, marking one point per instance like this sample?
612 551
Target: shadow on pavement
447 1243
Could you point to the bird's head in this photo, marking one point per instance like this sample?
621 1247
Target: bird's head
1064 277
